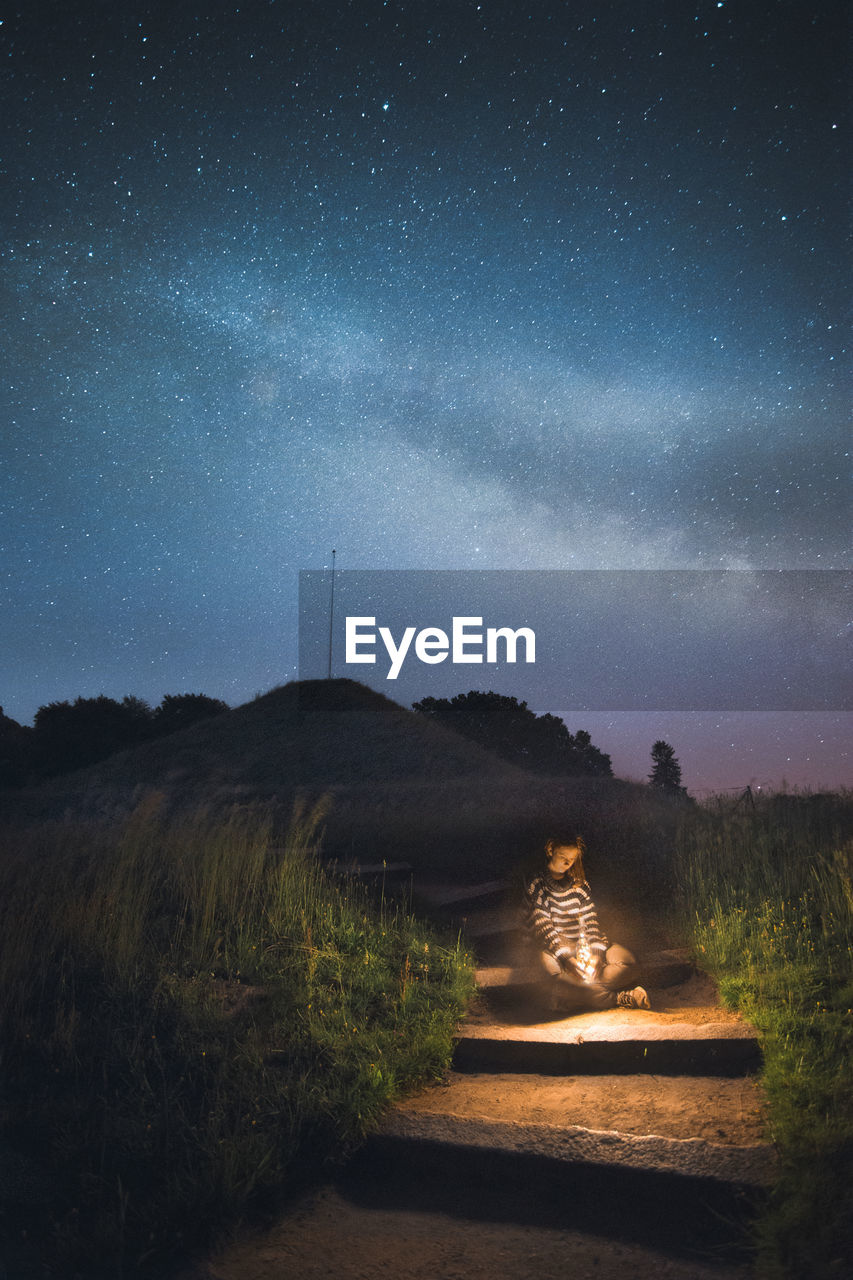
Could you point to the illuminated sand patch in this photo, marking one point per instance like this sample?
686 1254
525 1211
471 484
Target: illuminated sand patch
721 1110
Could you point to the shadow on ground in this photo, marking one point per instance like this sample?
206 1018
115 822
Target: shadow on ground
695 1218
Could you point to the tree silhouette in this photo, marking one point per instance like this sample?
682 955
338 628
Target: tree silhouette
17 746
180 710
73 735
666 771
509 728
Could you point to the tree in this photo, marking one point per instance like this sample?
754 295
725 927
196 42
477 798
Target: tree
16 751
73 735
139 718
508 727
666 771
180 710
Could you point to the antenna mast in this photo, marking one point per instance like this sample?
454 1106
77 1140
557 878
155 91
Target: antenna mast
331 613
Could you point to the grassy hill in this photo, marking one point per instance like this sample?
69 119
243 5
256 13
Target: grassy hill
312 733
173 929
315 734
400 786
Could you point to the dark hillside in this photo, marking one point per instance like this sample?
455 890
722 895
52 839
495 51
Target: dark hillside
401 787
313 735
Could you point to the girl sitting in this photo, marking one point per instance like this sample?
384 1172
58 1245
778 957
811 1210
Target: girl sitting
586 970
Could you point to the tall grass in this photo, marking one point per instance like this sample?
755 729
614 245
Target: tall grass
772 907
194 1019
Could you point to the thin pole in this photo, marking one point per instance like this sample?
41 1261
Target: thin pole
331 613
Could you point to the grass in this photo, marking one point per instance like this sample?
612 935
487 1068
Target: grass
196 1019
772 907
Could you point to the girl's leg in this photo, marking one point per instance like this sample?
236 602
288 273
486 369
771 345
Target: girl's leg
620 968
549 964
571 993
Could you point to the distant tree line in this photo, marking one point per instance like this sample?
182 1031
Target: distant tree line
509 728
71 735
542 744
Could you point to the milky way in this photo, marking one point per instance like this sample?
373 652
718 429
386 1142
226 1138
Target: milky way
446 285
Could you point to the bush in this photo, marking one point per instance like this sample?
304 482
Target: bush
772 904
196 1019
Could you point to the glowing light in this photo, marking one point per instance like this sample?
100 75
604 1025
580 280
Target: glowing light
585 960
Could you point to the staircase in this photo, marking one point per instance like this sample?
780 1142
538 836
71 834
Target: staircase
637 1125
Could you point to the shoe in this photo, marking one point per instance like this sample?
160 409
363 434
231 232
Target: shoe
635 999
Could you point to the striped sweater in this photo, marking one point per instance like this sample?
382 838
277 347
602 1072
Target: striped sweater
560 913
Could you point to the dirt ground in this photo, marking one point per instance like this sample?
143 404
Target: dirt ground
341 1232
328 1237
332 1234
719 1110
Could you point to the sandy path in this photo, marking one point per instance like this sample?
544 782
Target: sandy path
327 1237
357 1230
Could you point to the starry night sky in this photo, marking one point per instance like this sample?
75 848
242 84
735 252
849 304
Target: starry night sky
448 286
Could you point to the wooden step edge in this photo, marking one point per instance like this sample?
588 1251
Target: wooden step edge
706 1054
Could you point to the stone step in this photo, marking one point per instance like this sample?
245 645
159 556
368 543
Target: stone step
694 1195
719 1110
702 1128
685 1033
510 1027
570 1147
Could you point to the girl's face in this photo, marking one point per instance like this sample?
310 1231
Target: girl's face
561 859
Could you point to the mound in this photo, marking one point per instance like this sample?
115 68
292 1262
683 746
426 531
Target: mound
305 736
400 787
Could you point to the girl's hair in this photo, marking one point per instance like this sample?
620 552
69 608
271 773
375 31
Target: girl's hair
569 842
